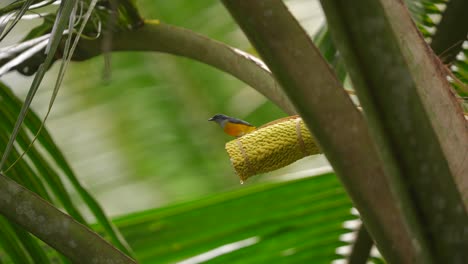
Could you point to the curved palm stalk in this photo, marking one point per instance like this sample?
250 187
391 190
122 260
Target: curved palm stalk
160 37
414 117
331 116
74 240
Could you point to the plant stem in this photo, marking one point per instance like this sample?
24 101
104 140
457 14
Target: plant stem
159 37
361 248
330 115
156 36
413 117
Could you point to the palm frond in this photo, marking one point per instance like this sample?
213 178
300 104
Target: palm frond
67 57
273 222
58 27
445 26
13 250
460 70
443 23
45 166
56 36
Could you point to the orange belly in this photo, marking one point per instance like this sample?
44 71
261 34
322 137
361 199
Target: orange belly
237 130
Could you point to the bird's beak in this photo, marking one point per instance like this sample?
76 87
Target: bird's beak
211 119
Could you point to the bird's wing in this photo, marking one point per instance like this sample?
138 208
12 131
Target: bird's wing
238 121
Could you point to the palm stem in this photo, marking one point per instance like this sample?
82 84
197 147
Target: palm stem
361 247
330 115
159 37
413 117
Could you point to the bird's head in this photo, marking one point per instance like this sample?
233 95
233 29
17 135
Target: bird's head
220 119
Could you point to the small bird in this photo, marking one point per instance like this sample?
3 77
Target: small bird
232 126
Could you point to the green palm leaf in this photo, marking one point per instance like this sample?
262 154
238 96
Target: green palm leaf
47 170
283 225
